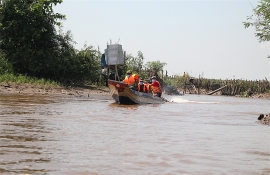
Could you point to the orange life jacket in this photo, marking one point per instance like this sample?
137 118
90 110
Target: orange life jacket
132 79
148 88
156 87
143 89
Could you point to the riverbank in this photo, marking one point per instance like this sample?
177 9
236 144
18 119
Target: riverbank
32 89
261 95
85 91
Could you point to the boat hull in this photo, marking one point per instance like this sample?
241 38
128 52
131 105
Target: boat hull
122 94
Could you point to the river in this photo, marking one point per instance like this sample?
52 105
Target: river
194 134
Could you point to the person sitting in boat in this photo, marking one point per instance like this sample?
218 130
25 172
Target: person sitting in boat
141 87
156 87
132 80
147 86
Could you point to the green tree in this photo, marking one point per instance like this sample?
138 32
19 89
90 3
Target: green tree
85 65
135 63
260 20
155 66
5 66
29 39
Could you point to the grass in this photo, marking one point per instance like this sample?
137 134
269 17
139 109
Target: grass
21 79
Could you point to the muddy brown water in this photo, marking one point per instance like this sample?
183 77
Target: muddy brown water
84 136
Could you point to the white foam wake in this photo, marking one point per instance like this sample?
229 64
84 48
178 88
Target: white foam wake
176 99
179 99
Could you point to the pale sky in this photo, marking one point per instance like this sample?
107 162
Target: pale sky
205 38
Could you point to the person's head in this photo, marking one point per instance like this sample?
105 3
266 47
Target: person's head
154 79
141 82
129 72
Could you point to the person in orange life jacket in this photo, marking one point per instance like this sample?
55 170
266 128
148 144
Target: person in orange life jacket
156 87
142 86
147 86
132 80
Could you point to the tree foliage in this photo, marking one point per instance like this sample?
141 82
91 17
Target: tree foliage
85 64
260 20
28 36
5 66
155 66
32 44
135 63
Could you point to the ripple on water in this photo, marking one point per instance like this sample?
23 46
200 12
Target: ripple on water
197 135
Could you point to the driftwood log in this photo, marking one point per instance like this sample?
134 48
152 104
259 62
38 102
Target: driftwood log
264 119
210 93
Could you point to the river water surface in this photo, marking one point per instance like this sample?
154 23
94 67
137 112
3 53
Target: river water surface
83 136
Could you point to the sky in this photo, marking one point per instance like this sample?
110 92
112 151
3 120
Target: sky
203 38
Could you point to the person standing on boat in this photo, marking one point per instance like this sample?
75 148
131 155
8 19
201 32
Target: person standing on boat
132 80
156 87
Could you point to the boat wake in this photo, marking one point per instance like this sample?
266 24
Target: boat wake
175 99
204 102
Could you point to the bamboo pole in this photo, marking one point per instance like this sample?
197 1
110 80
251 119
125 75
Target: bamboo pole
199 83
210 93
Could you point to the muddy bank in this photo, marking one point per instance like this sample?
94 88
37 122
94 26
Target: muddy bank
86 91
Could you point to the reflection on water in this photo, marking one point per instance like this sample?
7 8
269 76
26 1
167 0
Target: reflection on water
191 135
